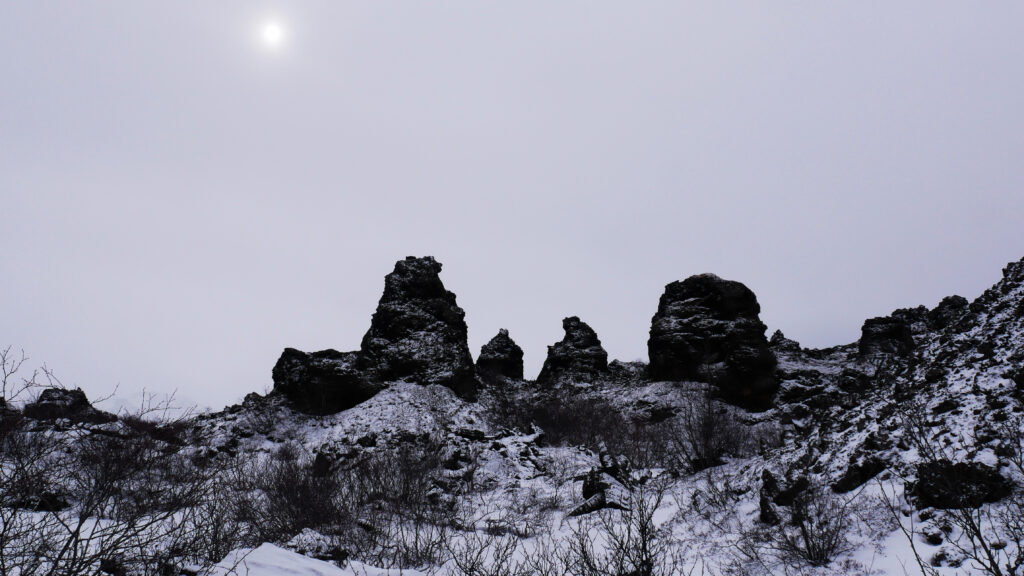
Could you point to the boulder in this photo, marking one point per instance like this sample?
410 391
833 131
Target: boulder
947 485
54 403
501 356
322 382
578 356
887 335
708 329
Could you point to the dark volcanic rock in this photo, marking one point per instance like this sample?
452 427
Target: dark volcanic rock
418 332
579 356
949 310
501 356
780 343
56 403
885 335
322 382
708 329
916 319
944 484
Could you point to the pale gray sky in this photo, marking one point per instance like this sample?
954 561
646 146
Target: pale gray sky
178 201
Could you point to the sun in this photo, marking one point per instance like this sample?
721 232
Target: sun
273 34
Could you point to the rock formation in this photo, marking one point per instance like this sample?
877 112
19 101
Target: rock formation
54 403
709 329
418 332
780 343
578 356
501 356
322 382
885 335
949 310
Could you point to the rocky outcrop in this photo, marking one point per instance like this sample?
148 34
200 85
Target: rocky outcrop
944 484
888 335
949 310
322 382
578 356
418 332
54 403
779 343
708 329
501 356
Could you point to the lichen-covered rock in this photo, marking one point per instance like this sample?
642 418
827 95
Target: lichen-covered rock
578 356
418 332
885 335
322 382
501 356
708 329
54 403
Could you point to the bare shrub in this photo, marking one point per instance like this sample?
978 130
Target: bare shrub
624 542
705 432
476 554
73 501
818 529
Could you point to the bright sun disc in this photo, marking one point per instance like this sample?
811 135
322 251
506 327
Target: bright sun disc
273 34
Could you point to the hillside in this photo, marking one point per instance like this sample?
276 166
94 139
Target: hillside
729 453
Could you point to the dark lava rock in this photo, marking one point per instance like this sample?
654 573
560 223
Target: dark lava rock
949 310
709 329
944 484
916 319
322 382
54 403
885 335
788 496
769 490
579 355
418 332
858 474
501 356
780 343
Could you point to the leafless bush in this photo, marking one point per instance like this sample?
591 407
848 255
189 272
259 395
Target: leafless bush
704 433
476 554
624 542
819 527
73 501
13 384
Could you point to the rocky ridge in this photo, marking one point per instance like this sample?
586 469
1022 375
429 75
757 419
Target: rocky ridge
924 405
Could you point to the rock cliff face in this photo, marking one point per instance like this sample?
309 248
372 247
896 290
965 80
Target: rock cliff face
501 356
418 332
709 329
578 356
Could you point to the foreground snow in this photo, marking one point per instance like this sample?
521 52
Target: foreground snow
270 560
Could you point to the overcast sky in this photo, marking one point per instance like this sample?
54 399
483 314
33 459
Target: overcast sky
179 200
